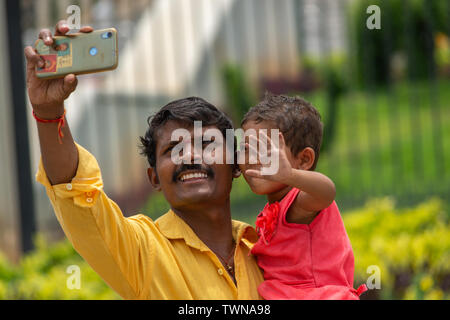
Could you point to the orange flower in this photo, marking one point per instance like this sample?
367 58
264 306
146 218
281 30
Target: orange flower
442 41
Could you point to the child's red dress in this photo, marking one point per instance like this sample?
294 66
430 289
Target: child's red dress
304 262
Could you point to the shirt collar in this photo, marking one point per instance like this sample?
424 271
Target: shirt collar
173 227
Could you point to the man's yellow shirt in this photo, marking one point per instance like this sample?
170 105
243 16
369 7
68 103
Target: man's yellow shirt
144 259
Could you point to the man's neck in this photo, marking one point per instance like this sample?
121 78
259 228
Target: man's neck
212 225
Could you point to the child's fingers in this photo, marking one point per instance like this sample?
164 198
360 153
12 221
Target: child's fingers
252 153
256 153
251 148
273 145
253 140
265 138
263 135
264 144
282 142
241 153
254 173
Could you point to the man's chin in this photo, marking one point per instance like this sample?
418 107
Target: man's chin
196 200
196 194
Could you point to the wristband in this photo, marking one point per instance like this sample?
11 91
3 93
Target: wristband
60 121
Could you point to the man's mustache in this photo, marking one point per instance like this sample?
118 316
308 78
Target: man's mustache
187 167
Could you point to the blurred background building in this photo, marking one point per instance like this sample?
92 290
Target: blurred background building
384 95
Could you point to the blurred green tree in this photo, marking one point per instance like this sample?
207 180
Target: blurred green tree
407 27
238 94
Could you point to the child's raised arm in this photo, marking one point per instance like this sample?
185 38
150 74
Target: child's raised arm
317 191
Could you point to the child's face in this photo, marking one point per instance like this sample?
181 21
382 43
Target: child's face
258 185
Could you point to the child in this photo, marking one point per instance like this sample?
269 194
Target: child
303 247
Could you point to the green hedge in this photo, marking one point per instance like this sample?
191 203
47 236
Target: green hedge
41 275
411 246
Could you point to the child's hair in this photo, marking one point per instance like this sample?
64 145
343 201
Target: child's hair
296 118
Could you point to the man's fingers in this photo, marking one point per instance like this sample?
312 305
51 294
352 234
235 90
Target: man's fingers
70 84
86 29
31 55
33 59
46 36
61 28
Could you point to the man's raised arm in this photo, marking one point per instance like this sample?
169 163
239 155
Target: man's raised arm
60 159
117 248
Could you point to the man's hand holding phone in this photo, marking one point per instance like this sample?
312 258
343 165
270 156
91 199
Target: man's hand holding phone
47 96
59 156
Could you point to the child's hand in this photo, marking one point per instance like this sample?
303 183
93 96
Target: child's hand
274 152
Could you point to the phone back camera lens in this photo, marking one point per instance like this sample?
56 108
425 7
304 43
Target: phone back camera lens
107 35
93 51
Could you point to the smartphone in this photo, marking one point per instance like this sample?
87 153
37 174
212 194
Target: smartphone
78 53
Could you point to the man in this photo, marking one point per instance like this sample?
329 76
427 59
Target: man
195 251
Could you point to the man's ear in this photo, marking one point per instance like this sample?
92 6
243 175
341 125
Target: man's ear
153 178
306 158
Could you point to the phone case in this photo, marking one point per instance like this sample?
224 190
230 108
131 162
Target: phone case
79 53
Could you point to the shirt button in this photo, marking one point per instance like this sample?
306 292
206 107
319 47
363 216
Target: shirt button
69 187
220 272
89 194
89 200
